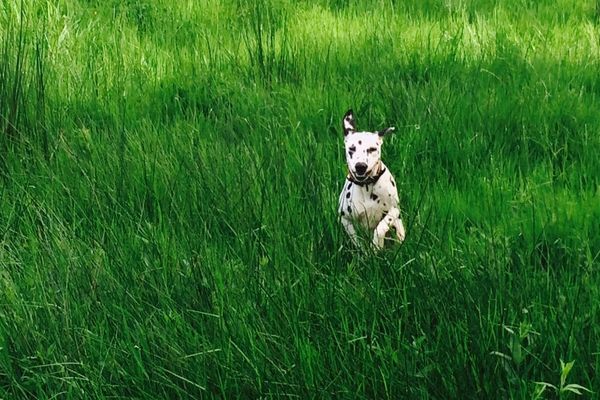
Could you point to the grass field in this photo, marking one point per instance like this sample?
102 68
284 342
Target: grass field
169 173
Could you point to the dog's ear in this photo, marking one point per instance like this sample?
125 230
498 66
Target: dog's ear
386 131
348 122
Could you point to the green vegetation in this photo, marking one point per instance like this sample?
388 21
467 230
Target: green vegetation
169 173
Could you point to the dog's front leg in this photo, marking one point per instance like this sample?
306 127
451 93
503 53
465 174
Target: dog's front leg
350 230
383 227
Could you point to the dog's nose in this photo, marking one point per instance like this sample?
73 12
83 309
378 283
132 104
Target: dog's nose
361 168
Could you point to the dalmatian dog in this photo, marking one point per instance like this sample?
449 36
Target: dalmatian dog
369 198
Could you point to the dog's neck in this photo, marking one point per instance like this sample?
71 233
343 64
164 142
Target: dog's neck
371 179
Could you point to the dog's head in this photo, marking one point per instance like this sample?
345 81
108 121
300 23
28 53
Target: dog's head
363 149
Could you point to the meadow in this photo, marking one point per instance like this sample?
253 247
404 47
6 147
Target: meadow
169 176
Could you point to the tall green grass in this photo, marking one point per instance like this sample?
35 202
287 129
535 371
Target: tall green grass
170 173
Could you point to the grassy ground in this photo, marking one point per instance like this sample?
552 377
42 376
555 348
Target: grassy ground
169 177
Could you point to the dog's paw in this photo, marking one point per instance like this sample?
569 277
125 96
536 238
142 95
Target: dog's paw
401 235
400 232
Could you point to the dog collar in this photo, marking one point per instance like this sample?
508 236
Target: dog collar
369 181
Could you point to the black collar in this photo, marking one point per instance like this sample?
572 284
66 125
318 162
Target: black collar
368 181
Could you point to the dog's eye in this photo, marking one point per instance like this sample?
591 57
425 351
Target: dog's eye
371 149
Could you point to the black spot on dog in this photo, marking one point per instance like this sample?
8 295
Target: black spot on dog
349 210
378 201
360 142
385 205
351 151
349 185
384 214
393 183
373 196
348 195
342 213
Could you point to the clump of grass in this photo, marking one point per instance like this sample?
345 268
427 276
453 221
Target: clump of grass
22 80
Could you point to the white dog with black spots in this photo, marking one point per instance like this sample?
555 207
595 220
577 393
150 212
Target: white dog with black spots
369 197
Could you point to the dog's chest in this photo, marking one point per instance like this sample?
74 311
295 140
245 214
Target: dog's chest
368 204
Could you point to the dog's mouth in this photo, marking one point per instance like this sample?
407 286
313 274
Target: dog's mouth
361 177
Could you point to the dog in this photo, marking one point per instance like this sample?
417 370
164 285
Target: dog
369 197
